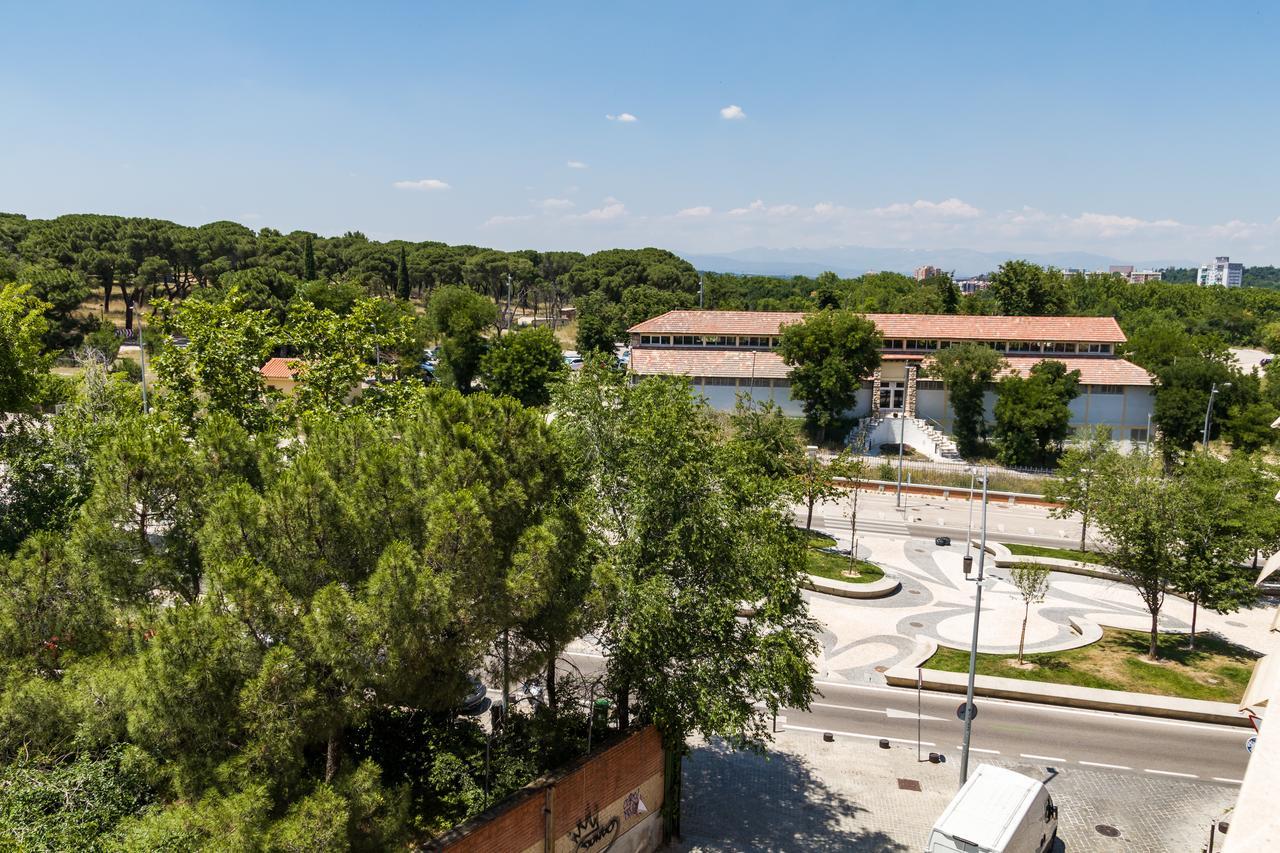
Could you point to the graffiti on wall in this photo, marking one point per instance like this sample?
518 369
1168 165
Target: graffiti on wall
591 834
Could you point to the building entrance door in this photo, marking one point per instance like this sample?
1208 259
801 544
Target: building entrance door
893 396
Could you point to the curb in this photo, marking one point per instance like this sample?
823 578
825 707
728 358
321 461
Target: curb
1069 696
882 588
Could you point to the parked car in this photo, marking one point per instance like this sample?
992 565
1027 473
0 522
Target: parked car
942 541
572 359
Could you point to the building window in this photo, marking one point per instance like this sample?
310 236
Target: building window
1061 346
1096 348
719 380
1138 435
928 385
1106 389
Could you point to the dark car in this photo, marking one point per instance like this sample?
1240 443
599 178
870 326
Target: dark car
942 541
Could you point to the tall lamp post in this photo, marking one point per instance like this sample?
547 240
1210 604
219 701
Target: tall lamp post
1208 413
902 436
973 646
968 531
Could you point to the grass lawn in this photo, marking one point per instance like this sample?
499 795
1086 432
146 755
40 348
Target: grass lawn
1216 670
1061 553
827 565
818 539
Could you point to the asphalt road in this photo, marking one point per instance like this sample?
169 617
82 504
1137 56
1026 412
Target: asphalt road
1042 734
1020 731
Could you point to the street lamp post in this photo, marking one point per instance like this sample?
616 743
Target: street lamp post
968 531
973 646
1208 413
812 450
902 436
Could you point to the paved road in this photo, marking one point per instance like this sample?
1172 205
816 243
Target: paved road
1021 731
1039 734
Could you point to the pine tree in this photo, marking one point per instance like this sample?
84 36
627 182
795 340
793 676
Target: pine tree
403 286
308 259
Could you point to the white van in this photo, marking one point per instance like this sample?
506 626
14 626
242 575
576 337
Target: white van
997 811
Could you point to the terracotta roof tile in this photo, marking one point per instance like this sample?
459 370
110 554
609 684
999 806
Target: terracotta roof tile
662 361
649 361
954 327
280 368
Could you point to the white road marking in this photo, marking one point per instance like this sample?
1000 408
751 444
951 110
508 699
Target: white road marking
1170 773
980 749
1036 706
1043 757
895 714
1231 781
847 708
1108 766
855 734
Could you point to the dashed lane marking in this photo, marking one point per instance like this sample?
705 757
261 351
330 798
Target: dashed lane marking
1043 757
1108 766
856 734
1170 773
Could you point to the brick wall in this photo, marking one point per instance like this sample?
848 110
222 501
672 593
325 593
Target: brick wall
611 793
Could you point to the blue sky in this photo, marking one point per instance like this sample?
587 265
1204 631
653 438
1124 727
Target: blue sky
1139 130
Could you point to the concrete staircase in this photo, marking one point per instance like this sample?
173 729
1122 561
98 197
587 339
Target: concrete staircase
919 434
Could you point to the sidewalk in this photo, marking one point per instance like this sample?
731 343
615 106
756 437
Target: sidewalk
850 796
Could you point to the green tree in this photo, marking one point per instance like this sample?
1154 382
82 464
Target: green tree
23 362
1033 415
218 370
766 439
1021 287
1074 486
308 259
600 324
1220 530
404 288
1248 425
459 318
1138 513
830 353
525 364
967 370
1031 580
685 550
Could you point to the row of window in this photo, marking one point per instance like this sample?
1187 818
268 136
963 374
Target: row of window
935 385
743 341
894 344
919 345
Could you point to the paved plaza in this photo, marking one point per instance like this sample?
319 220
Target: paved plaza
850 796
936 603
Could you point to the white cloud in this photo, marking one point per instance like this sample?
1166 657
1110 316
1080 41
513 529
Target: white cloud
695 211
952 207
733 112
758 206
555 203
426 185
504 220
622 117
612 209
576 164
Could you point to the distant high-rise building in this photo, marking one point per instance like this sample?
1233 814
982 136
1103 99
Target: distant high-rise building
1124 270
1221 272
927 271
1144 276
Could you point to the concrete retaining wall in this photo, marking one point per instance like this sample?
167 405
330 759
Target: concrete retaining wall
882 588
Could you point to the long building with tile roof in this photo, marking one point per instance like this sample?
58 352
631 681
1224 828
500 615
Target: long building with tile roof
725 353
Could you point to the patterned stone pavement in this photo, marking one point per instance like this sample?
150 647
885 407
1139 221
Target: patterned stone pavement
810 795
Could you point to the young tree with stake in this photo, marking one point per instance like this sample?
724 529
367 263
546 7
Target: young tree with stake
1032 583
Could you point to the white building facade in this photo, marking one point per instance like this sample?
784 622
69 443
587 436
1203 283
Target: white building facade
1221 272
726 353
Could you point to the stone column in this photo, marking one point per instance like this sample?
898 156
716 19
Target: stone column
910 402
875 394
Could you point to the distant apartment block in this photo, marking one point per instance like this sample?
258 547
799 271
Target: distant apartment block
1135 276
1221 272
927 271
970 286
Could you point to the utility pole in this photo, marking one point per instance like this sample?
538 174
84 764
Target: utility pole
968 531
700 291
973 647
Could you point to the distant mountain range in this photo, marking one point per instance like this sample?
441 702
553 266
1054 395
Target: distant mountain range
856 260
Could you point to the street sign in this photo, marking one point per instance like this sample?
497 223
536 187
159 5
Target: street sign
1249 744
972 708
